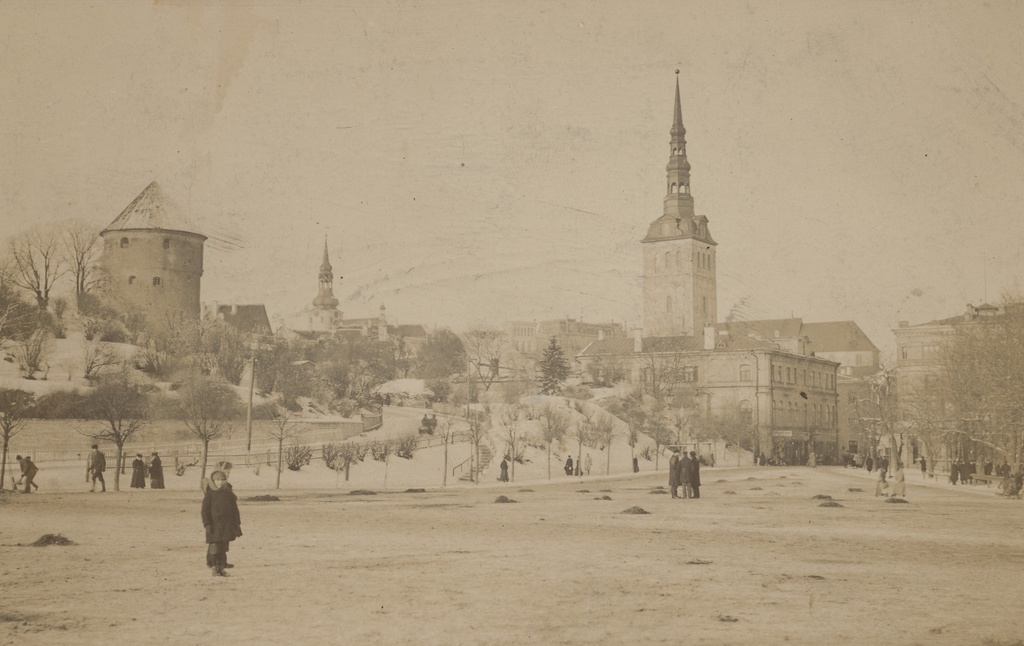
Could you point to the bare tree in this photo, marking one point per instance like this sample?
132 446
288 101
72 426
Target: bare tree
479 423
120 402
512 435
82 248
488 351
96 356
32 352
37 261
581 432
17 317
553 426
15 407
604 432
284 426
446 431
207 408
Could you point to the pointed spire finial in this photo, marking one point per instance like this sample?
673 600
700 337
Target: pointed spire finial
677 119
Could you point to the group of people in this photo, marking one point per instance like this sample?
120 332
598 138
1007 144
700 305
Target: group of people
899 482
581 467
685 472
154 469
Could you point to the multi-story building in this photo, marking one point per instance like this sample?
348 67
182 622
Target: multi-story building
529 338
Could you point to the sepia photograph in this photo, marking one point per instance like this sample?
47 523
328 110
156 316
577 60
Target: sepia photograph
409 322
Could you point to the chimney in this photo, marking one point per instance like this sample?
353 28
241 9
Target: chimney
709 337
234 310
638 341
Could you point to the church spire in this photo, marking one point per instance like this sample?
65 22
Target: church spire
678 167
325 299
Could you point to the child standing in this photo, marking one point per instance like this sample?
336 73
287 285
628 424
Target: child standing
221 521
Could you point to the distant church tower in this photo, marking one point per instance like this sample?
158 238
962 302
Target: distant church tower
154 257
679 286
324 316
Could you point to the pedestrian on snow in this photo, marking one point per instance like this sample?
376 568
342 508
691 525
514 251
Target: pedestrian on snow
924 468
95 465
694 478
882 486
673 474
504 470
28 473
636 464
568 466
954 473
899 485
156 472
988 467
138 472
869 464
220 520
684 475
762 460
811 460
587 464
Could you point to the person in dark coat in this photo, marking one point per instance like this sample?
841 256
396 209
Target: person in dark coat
924 468
954 472
138 472
673 474
694 479
504 470
95 465
684 475
28 473
869 464
156 472
568 466
636 464
220 520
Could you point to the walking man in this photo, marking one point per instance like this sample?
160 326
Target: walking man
95 465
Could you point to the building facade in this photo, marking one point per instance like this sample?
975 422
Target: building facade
153 257
529 338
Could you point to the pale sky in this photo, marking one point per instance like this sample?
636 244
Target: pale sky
474 162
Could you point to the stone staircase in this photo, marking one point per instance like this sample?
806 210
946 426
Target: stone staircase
486 454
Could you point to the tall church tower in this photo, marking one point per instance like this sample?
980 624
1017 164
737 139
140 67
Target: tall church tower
680 294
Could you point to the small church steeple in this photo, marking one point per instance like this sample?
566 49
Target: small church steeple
678 167
325 299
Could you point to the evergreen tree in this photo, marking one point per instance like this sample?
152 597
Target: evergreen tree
554 369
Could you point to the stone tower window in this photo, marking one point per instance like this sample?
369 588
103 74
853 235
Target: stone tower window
124 242
131 280
167 243
156 281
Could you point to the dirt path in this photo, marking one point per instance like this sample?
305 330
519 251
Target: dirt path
765 564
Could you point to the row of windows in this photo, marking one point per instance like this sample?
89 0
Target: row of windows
816 414
678 188
919 352
157 282
674 259
819 379
125 242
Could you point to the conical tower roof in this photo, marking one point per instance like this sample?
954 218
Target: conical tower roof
152 209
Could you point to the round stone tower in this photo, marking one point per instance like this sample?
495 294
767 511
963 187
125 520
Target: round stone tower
154 257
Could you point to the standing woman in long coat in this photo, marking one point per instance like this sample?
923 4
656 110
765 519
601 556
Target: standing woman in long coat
156 472
138 472
221 521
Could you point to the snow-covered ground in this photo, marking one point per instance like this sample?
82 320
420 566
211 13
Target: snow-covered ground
756 560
